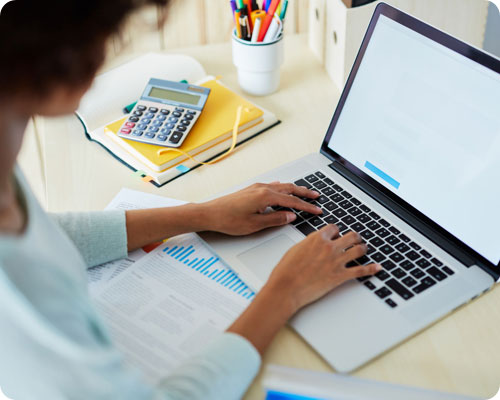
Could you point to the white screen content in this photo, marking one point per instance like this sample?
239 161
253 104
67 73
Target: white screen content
424 122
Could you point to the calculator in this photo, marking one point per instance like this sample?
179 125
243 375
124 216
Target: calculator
165 113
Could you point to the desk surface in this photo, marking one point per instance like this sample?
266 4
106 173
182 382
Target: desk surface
459 354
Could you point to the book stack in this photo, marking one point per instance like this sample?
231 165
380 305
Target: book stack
210 137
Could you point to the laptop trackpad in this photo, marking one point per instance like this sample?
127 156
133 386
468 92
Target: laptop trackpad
263 258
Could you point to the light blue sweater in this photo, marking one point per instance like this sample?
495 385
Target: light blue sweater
53 344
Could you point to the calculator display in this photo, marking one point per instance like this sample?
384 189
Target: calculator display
174 96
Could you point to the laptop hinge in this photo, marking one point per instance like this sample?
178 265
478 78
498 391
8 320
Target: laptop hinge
413 221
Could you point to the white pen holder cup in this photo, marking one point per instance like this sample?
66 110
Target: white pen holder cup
258 64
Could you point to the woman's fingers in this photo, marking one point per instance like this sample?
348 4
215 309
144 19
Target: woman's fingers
356 251
363 270
274 198
290 188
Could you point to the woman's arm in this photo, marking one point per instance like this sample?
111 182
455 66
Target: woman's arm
239 213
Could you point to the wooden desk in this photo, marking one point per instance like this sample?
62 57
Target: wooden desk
459 354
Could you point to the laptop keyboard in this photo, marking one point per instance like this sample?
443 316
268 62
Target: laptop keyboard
408 269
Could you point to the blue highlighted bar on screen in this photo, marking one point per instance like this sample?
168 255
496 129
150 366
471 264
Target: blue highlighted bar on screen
382 174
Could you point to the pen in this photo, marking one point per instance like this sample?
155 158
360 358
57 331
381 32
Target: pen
257 14
255 6
244 28
273 30
248 4
237 22
283 10
278 9
239 3
233 5
256 29
267 21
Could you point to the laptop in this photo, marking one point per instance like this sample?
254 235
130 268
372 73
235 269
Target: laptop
411 161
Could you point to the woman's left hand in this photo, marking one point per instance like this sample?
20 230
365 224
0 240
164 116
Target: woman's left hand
244 212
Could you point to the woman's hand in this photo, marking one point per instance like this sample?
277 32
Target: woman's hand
308 271
243 212
315 266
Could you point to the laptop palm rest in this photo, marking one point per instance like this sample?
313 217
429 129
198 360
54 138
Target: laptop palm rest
262 258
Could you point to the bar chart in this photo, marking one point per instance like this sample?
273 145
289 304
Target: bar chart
195 255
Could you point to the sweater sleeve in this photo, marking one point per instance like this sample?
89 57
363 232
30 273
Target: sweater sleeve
100 236
223 371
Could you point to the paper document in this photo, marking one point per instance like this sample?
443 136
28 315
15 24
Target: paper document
168 305
127 199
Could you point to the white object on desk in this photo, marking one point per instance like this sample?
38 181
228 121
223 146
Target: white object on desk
258 65
293 383
345 27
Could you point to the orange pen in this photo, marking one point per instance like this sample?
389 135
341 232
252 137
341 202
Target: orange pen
237 15
267 21
248 3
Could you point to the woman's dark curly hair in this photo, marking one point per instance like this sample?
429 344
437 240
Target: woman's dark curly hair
57 42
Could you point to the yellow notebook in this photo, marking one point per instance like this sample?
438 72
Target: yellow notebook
214 125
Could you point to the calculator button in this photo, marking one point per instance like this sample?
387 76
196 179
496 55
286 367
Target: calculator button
161 138
188 116
141 108
149 115
152 109
176 114
175 137
142 126
145 120
169 126
165 131
133 119
125 130
164 111
156 122
161 118
191 112
181 128
137 132
185 122
150 135
153 129
180 109
138 113
129 124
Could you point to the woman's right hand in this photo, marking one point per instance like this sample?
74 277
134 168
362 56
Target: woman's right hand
315 266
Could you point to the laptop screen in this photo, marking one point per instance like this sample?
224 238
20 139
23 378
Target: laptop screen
424 121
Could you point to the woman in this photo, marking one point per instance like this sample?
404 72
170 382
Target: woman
53 345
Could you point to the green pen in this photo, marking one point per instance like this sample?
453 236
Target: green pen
130 107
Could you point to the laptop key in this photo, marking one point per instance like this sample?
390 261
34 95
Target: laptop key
337 198
315 221
369 285
370 249
384 223
297 220
403 248
388 265
367 235
373 225
328 181
407 265
346 194
414 246
339 213
397 257
386 249
322 199
437 274
448 270
417 273
382 275
374 215
364 278
383 292
425 284
355 201
328 191
412 255
376 241
319 185
391 303
331 219
382 232
346 204
354 211
364 218
426 254
404 238
311 178
365 208
398 273
435 261
392 240
320 175
341 227
377 257
358 227
399 289
363 260
348 220
305 228
423 263
409 281
303 182
394 230
337 188
351 264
